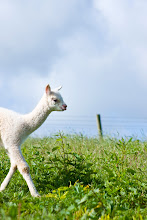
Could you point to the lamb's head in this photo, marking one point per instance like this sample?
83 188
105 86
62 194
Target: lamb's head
55 100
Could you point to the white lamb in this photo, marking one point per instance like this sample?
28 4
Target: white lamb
15 128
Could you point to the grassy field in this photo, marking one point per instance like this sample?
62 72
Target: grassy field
78 178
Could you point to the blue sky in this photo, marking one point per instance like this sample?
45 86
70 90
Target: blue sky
96 49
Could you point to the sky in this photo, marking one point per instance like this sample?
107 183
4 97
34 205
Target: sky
95 49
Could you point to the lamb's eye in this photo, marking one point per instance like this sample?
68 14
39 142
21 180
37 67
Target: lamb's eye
55 100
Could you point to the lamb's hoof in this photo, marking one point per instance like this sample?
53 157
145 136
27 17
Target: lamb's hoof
1 189
36 195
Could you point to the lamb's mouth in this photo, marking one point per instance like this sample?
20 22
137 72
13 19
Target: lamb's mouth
64 107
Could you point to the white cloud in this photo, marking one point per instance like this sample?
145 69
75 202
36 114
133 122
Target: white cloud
126 26
96 51
29 31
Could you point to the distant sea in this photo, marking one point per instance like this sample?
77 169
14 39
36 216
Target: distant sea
87 126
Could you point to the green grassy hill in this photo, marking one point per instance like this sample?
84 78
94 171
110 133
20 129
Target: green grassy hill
78 178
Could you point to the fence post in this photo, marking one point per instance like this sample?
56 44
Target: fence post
99 125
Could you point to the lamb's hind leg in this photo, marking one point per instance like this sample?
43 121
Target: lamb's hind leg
8 177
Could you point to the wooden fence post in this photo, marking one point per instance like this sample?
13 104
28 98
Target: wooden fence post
99 125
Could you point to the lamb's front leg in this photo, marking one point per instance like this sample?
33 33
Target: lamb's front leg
24 169
8 177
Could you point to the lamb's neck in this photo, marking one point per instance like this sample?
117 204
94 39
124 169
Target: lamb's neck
36 118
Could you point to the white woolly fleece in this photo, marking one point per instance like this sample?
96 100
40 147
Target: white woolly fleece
15 128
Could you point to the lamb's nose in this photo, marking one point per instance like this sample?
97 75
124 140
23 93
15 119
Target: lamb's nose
64 106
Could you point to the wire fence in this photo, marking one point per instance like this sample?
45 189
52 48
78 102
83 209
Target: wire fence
87 125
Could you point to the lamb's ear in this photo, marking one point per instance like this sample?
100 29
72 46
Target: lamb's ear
48 89
57 89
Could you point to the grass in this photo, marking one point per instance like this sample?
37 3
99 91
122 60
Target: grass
78 178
